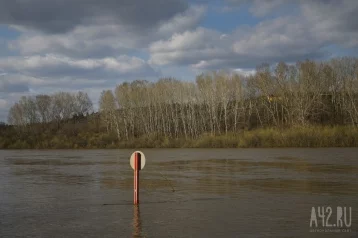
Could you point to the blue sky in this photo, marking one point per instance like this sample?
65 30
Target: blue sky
48 46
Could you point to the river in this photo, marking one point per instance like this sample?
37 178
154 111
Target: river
183 193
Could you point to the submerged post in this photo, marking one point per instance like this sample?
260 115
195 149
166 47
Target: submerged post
136 178
137 161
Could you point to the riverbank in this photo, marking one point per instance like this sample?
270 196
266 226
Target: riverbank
261 138
319 136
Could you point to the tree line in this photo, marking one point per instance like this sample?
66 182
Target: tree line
218 103
47 108
306 93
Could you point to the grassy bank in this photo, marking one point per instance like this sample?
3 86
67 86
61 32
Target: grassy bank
260 138
340 136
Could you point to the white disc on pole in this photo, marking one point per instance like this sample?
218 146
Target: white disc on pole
142 159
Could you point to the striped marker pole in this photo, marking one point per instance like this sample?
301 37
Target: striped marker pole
136 178
137 162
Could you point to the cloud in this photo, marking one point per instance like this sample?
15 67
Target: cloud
3 103
286 38
53 66
183 21
103 40
82 42
283 39
336 15
189 47
63 16
333 21
245 72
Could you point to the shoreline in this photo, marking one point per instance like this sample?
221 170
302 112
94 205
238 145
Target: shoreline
295 137
179 148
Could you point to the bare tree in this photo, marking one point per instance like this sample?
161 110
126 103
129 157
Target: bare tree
108 108
83 104
43 105
16 115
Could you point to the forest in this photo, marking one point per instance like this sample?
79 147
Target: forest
306 104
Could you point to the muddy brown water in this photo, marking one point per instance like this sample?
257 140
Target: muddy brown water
183 192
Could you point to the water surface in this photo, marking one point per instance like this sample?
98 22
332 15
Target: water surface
184 192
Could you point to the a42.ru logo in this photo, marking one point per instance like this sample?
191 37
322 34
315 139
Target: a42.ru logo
331 220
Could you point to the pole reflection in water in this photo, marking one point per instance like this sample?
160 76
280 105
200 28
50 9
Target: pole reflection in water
137 226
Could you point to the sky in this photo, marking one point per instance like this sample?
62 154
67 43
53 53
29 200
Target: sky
48 46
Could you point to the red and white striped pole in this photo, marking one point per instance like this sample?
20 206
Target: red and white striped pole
136 178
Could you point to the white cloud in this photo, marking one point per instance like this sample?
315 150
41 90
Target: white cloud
183 21
189 47
54 66
185 41
287 38
270 41
3 104
282 36
245 72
